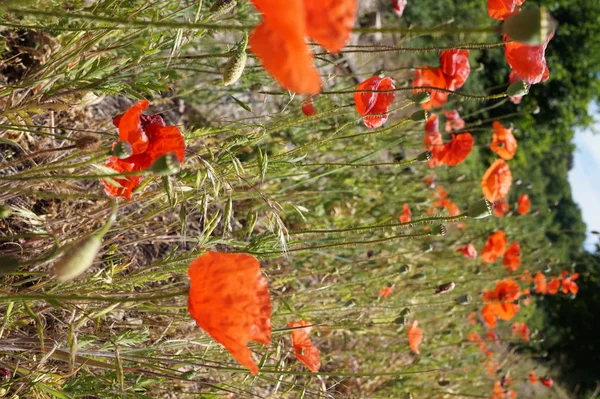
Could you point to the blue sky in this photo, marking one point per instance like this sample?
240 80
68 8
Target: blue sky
585 177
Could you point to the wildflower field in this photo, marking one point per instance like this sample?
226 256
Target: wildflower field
295 199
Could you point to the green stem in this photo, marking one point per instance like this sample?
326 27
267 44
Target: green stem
142 298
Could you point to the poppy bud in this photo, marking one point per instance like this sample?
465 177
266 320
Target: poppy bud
426 248
464 299
8 265
122 150
409 396
480 209
234 67
405 312
420 98
517 89
88 143
221 7
5 211
439 230
420 116
78 259
166 165
444 288
424 156
532 26
400 320
404 269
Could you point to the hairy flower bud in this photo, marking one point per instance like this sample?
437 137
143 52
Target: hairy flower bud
531 26
424 156
221 7
234 67
420 116
480 209
517 89
88 143
166 165
122 150
439 230
78 259
420 98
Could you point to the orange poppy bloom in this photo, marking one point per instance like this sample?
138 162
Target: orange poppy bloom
512 78
553 286
398 6
453 121
500 302
521 329
568 284
532 378
430 181
474 337
406 215
415 336
431 77
304 349
499 9
526 276
373 106
494 247
511 394
308 108
541 285
524 204
452 209
503 142
279 41
492 368
229 299
455 67
432 124
512 257
469 251
528 62
472 317
149 139
496 181
547 381
385 292
501 208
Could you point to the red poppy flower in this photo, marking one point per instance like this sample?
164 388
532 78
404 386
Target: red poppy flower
469 251
456 68
500 302
501 208
432 124
547 381
512 257
373 106
399 6
229 299
431 77
433 142
526 277
503 142
453 121
406 215
415 336
457 150
385 292
304 349
541 285
524 204
494 248
499 9
532 378
521 329
526 61
512 78
279 41
472 317
553 285
308 108
496 181
568 284
149 139
492 336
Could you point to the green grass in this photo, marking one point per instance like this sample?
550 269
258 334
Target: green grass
257 175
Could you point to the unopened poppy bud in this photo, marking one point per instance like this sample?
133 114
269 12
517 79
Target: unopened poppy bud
464 299
400 320
234 67
166 165
426 248
404 269
5 211
517 89
78 259
8 265
88 143
444 288
531 26
122 150
439 230
221 7
405 312
420 116
420 98
424 156
480 209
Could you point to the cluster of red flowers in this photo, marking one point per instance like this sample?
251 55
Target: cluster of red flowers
451 75
443 202
501 207
451 153
564 282
546 381
500 302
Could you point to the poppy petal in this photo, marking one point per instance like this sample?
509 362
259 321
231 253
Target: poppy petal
504 142
458 149
372 105
330 22
415 337
304 349
128 184
130 127
496 181
229 299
